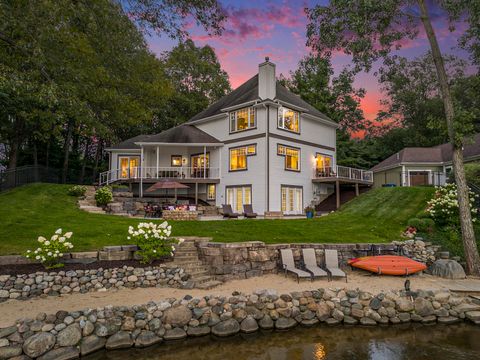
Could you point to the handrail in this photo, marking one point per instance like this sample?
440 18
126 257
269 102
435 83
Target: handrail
343 172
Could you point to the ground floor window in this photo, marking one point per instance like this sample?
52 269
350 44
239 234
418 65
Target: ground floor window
237 196
128 166
211 192
292 199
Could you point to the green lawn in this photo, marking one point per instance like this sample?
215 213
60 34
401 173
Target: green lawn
39 209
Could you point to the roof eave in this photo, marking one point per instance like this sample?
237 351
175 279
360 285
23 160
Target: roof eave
177 144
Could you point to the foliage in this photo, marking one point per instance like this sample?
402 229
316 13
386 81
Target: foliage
443 207
424 225
376 216
472 174
103 196
77 190
50 252
153 240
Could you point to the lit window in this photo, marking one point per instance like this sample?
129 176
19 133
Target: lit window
211 192
176 160
324 162
242 119
238 157
237 196
288 119
292 157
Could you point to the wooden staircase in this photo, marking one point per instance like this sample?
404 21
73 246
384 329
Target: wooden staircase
186 257
88 203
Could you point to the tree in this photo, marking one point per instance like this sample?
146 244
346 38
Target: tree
369 30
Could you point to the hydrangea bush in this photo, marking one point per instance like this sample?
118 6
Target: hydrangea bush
153 240
103 196
50 252
443 207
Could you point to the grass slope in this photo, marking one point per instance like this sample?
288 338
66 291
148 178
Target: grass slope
39 209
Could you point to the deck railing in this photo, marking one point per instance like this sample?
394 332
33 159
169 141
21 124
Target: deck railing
343 172
177 172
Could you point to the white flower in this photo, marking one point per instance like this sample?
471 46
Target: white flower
128 237
47 242
41 239
68 235
54 238
60 254
49 253
164 225
58 232
61 239
154 251
37 257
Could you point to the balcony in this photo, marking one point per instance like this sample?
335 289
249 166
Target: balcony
343 174
185 174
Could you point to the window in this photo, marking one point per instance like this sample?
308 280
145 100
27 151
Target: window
211 192
288 119
242 119
200 165
237 196
324 165
128 166
292 199
292 157
238 157
176 160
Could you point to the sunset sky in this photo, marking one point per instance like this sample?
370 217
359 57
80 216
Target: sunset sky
255 29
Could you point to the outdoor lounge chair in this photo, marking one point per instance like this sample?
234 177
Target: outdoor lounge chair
289 265
310 261
228 212
331 264
248 211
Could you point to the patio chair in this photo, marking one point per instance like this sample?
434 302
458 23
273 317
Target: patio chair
248 211
228 212
310 261
331 264
288 265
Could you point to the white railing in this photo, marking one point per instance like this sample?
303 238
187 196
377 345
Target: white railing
343 172
136 173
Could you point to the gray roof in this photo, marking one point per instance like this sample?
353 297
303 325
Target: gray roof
248 91
435 155
129 144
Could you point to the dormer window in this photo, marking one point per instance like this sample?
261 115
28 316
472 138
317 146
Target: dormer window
288 119
242 119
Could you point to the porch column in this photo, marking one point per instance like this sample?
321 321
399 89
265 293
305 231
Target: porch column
196 193
337 190
175 195
141 172
356 189
158 161
220 162
204 162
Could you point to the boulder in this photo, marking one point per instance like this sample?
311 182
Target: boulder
266 323
323 311
404 305
7 331
91 344
198 331
177 316
423 307
8 352
175 334
69 336
226 328
63 353
285 323
38 344
147 338
248 325
120 340
449 269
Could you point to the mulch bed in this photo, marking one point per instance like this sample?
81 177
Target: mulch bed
20 269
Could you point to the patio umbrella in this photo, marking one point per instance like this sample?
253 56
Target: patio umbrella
167 184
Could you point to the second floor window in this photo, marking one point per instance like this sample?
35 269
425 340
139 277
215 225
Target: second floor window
288 119
238 157
292 157
242 119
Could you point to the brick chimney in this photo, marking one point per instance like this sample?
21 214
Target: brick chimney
266 80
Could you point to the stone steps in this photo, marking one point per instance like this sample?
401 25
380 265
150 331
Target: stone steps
88 203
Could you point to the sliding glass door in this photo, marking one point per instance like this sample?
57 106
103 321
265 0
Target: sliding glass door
292 200
128 166
237 196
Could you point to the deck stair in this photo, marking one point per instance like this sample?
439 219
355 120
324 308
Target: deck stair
88 203
347 193
186 257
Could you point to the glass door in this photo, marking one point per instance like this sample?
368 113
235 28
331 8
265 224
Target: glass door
200 165
239 196
292 200
324 165
128 166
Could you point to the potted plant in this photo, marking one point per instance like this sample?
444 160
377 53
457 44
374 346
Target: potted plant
310 212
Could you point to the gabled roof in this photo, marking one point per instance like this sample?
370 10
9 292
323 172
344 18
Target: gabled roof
434 155
248 91
182 134
129 144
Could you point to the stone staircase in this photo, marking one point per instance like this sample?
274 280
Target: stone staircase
186 257
88 203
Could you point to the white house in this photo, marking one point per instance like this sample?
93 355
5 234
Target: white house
259 145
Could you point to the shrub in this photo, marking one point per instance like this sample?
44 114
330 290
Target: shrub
443 208
153 241
103 196
50 252
472 174
424 225
77 190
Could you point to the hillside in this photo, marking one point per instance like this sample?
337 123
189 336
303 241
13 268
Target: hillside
39 209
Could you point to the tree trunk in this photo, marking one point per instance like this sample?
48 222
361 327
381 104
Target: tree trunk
13 154
84 164
98 153
468 235
35 160
66 150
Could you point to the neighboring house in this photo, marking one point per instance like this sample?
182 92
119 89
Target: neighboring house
415 166
259 145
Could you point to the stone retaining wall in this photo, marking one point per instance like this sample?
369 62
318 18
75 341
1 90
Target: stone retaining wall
68 335
22 287
255 258
179 215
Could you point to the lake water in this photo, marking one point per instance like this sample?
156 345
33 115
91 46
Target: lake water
436 342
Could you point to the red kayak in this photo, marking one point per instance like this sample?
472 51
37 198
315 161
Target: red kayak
388 264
